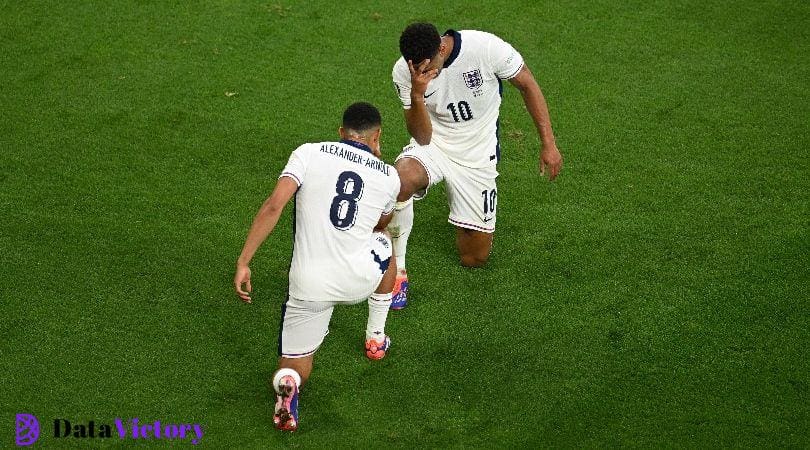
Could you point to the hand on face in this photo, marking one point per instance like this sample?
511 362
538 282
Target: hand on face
421 76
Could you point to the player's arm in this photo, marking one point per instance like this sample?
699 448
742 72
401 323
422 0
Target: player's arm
536 105
417 119
388 211
382 224
263 224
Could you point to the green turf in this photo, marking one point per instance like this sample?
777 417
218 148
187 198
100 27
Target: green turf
655 295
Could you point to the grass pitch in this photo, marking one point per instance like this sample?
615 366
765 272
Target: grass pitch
655 295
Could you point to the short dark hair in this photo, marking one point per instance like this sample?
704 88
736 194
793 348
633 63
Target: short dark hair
361 116
419 41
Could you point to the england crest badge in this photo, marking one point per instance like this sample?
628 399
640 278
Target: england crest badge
473 79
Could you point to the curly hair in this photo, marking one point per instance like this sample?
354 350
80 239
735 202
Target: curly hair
419 41
361 116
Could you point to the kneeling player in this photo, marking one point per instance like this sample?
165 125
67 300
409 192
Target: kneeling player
344 199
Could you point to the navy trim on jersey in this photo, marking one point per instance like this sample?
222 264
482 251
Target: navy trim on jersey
356 144
291 175
497 155
456 46
514 74
498 126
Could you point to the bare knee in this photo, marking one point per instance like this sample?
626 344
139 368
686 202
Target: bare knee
473 247
470 260
412 177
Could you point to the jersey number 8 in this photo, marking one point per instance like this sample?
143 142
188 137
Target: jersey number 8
343 212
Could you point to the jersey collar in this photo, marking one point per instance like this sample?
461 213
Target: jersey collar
456 46
356 144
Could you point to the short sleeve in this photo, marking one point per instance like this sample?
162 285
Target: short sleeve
506 61
402 82
296 167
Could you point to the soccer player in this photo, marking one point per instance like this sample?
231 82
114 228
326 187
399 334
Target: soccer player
344 197
450 86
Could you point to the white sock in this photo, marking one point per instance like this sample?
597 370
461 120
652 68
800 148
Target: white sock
283 373
400 229
378 306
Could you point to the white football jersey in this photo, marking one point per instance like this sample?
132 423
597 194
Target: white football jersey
464 100
342 191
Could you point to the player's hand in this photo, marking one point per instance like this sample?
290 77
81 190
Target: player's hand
242 278
551 160
420 76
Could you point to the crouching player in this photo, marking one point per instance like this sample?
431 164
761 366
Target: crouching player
344 197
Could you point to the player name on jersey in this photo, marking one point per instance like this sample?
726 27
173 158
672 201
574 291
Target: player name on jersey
345 153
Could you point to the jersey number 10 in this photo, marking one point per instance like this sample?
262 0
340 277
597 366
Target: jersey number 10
462 110
343 212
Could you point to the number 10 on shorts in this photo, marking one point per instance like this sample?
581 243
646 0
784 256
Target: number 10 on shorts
490 199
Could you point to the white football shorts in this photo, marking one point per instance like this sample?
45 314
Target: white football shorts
305 324
472 193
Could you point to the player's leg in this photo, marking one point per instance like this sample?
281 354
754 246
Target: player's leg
400 229
414 179
287 381
379 303
302 367
473 196
303 328
473 246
